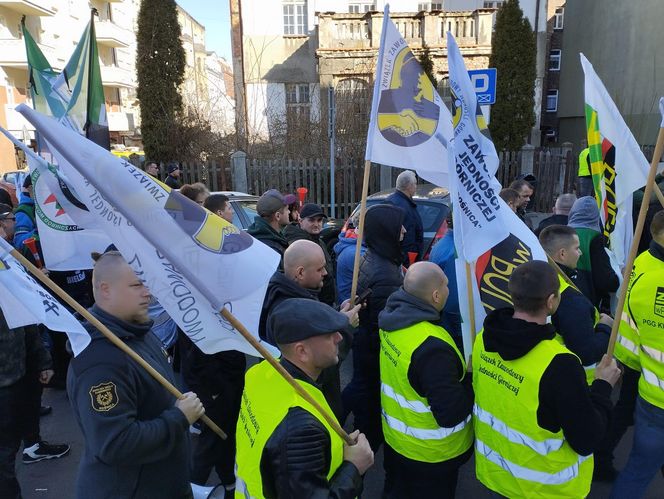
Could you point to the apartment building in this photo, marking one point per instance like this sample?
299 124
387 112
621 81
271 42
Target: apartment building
555 30
57 25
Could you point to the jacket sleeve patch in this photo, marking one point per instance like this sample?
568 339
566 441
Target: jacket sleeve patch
104 396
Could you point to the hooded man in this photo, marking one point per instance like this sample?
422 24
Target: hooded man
380 272
426 397
536 420
596 276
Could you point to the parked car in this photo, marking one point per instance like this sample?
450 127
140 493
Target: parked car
244 207
433 205
8 183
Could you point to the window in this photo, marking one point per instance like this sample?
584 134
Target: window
428 6
295 17
496 4
558 18
552 101
298 100
554 60
361 7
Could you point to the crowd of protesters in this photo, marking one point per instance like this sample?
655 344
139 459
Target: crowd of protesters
411 393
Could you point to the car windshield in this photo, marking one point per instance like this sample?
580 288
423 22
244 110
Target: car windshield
249 209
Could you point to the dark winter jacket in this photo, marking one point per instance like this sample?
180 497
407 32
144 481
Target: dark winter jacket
345 251
380 269
435 368
328 292
565 401
136 440
413 240
574 321
264 232
172 182
552 220
296 457
21 349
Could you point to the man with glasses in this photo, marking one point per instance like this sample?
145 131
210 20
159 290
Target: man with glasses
7 222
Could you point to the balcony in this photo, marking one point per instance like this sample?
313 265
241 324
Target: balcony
30 7
12 53
112 35
118 122
113 76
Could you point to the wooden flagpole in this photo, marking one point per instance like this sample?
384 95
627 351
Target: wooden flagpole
360 231
471 302
622 293
110 336
332 421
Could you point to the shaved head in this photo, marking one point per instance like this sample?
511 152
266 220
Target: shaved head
118 290
427 281
564 203
299 254
304 262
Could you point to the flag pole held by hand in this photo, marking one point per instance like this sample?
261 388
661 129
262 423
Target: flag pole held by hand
331 420
360 231
629 264
109 335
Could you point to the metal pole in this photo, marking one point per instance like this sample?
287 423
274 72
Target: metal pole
331 134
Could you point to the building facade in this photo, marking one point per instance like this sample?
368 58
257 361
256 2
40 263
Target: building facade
622 40
554 46
294 50
56 25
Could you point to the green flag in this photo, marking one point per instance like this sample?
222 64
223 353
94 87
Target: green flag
76 96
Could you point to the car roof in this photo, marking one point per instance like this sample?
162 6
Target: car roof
424 191
236 195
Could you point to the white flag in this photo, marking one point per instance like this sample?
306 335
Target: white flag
478 224
617 164
25 302
410 126
66 244
193 261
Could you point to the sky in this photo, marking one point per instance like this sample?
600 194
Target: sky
215 16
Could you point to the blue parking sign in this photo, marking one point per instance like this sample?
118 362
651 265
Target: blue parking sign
484 81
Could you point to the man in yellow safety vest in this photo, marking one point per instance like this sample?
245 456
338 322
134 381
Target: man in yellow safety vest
426 397
536 420
642 346
285 447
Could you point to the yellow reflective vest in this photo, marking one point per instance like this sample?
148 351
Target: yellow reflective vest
626 348
408 423
266 399
645 305
514 456
590 370
584 168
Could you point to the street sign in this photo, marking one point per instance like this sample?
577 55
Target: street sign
484 81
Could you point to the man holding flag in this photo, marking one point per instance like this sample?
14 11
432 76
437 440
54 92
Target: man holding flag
136 433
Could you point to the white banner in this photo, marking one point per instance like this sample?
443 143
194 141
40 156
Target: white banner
410 125
193 261
25 302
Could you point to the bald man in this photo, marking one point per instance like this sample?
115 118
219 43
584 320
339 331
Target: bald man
136 433
561 210
304 271
426 397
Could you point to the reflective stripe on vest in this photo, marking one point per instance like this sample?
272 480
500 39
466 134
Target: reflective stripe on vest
515 456
409 426
652 378
626 348
542 447
266 400
628 344
523 473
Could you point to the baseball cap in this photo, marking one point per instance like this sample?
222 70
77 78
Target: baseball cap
270 202
172 167
312 210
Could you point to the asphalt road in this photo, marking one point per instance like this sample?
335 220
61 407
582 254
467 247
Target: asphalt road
55 478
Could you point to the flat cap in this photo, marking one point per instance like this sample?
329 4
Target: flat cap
312 210
172 167
270 202
297 319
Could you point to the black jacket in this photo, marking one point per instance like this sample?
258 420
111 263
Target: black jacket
435 368
554 219
574 321
328 293
413 240
172 182
380 268
296 457
601 279
264 232
21 350
565 401
136 440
